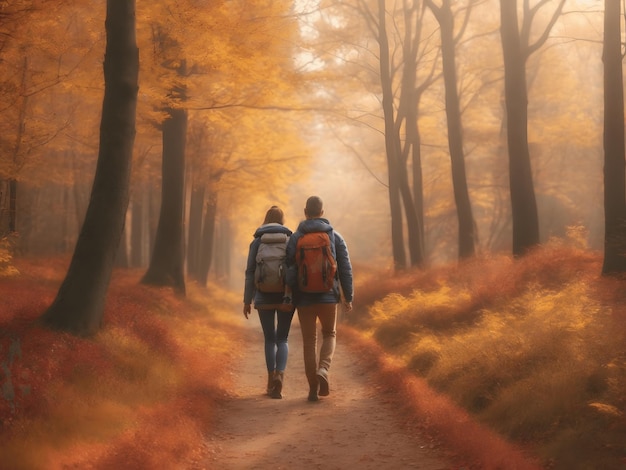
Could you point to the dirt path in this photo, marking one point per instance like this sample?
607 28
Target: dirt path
352 428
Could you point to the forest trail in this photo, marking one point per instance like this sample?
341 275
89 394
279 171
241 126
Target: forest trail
354 427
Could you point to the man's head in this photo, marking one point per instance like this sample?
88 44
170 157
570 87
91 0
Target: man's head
314 207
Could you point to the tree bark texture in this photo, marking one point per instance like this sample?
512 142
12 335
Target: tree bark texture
418 184
407 113
121 259
523 202
79 304
223 249
12 206
167 261
194 235
614 165
208 240
392 152
418 258
137 228
466 227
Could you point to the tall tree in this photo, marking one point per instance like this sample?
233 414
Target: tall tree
407 119
404 74
445 18
167 261
9 21
205 170
27 74
205 256
614 166
79 304
408 106
223 65
517 48
391 148
399 115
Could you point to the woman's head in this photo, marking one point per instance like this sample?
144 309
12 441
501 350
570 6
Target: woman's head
274 215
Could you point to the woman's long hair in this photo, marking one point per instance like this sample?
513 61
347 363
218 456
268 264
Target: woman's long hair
274 215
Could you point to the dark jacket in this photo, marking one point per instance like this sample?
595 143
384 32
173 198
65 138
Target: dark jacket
250 292
340 252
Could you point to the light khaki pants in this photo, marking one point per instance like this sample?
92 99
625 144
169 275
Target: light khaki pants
308 315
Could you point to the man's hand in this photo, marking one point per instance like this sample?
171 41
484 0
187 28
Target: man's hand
347 306
246 310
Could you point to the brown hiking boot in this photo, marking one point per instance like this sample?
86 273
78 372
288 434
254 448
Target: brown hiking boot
313 392
322 378
277 384
270 382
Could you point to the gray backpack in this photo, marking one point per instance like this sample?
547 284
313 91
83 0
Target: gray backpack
269 275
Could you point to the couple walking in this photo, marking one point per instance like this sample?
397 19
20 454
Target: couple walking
309 270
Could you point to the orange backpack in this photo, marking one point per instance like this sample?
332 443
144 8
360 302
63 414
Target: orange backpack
317 267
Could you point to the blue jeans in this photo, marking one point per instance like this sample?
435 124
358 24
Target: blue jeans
276 334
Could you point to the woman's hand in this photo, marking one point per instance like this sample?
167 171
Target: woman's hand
246 310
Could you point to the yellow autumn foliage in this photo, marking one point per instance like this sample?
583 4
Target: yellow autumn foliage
533 348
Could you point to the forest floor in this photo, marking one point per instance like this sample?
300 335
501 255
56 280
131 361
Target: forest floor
360 425
182 386
356 426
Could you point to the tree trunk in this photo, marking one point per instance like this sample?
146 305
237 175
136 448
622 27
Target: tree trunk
407 112
412 221
12 206
414 208
614 166
79 304
121 260
137 228
418 182
392 152
445 19
4 192
80 189
208 239
223 250
194 236
17 149
523 202
400 159
167 262
154 207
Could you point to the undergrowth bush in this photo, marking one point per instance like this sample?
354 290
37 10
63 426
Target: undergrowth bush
141 392
532 347
7 268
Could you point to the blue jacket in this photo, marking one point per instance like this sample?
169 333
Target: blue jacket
340 252
250 291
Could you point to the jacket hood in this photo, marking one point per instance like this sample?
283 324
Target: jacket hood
271 228
315 225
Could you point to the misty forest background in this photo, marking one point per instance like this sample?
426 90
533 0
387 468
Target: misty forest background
280 100
439 134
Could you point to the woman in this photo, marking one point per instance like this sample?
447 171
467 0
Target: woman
265 285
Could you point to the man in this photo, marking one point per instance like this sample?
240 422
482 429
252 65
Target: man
317 289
